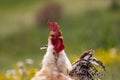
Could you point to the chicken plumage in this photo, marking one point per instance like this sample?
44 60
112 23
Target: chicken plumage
83 68
56 65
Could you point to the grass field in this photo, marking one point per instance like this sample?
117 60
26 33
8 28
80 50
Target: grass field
83 29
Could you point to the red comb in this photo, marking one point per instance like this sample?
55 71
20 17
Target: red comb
56 39
55 28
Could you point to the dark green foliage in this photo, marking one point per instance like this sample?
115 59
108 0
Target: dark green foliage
115 5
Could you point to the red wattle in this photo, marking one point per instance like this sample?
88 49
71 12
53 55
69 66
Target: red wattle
58 44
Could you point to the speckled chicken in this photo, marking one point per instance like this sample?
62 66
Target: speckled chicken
83 68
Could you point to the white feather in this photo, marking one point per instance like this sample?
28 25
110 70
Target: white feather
63 63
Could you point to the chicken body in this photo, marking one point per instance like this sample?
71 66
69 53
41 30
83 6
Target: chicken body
54 68
55 64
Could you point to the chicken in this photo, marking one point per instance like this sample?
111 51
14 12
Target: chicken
83 68
55 64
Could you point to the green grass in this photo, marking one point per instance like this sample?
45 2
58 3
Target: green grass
8 5
21 46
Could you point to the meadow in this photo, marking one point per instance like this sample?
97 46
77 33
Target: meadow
93 26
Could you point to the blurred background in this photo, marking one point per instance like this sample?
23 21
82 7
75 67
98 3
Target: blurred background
86 24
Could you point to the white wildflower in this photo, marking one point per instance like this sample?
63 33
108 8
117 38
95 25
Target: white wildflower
113 52
20 67
15 77
29 61
20 64
21 71
10 73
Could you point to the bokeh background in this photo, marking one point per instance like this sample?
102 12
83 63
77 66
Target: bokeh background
86 24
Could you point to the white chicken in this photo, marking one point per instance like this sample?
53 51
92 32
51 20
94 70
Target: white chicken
55 64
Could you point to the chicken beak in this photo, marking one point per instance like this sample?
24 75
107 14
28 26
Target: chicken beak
44 47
